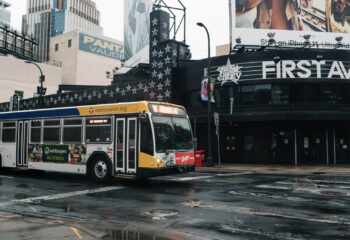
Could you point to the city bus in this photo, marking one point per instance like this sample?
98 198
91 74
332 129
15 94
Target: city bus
127 140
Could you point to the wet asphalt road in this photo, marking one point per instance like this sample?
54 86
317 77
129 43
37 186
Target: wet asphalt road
206 204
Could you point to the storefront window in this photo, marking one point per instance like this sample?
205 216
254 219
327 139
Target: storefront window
280 94
343 93
329 93
297 93
247 94
314 93
263 94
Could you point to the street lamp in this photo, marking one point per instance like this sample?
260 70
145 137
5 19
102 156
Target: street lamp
210 158
40 90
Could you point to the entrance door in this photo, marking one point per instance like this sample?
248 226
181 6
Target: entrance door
342 141
126 145
313 146
22 144
283 146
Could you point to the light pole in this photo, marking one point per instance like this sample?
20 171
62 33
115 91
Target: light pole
210 158
40 90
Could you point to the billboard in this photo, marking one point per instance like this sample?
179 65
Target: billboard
291 21
100 46
136 26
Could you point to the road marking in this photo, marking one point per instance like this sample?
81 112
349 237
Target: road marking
59 221
2 176
190 178
76 232
205 177
232 174
60 195
273 187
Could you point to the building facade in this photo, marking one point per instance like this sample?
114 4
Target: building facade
26 80
5 15
275 106
85 58
49 18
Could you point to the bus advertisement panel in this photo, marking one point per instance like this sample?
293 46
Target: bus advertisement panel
291 21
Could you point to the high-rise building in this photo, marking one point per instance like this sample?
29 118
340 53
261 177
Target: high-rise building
5 16
49 18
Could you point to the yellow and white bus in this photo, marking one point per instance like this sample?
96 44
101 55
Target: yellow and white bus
130 140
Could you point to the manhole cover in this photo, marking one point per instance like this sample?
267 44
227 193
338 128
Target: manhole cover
160 214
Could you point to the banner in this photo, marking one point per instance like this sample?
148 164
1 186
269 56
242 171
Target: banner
291 21
136 26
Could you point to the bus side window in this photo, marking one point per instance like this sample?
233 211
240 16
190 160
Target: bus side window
146 137
9 132
52 130
35 131
72 130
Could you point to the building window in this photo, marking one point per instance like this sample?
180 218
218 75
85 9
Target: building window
69 43
56 47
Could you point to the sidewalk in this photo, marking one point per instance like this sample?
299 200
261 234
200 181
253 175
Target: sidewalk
281 168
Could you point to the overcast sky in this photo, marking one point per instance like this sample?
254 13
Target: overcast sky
214 14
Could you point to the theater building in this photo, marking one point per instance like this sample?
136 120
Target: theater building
276 106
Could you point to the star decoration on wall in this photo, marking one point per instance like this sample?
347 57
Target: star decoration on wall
152 95
160 86
154 73
167 60
154 43
160 54
167 93
140 85
155 32
167 82
154 53
160 76
167 71
134 90
152 84
155 21
128 88
168 48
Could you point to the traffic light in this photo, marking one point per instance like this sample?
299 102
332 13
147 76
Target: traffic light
41 90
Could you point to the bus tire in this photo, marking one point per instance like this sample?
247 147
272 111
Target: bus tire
100 168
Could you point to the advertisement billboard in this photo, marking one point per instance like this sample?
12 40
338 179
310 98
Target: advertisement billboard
136 26
100 46
291 21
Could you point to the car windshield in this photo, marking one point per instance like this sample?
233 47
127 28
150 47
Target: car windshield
172 133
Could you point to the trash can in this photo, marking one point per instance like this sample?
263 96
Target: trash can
199 157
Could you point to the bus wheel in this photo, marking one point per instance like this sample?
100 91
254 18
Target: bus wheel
101 170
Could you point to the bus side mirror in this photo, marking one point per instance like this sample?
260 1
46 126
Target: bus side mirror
143 116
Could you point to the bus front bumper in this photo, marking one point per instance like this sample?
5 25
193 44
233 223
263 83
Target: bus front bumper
153 172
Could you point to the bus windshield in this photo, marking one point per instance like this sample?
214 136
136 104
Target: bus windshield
172 133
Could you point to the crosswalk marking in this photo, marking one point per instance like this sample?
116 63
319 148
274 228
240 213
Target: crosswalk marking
2 176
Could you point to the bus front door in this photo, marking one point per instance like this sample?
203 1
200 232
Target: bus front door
22 144
126 145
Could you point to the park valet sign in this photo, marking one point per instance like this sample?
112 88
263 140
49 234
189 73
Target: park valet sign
285 69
